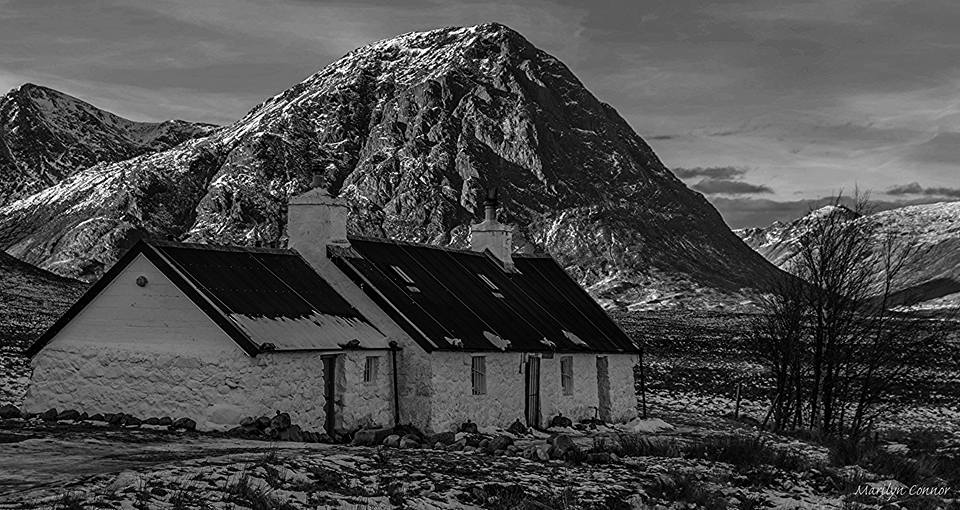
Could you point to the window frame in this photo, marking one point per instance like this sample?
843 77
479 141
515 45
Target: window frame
566 375
371 369
478 375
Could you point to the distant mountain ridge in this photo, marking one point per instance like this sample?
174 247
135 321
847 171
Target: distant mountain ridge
931 280
46 135
412 131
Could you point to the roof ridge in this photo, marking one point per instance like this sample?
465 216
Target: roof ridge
218 247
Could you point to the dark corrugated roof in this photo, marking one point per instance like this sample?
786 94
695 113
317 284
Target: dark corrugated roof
458 299
255 295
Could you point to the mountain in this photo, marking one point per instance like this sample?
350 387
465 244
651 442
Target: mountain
46 135
31 299
412 131
930 280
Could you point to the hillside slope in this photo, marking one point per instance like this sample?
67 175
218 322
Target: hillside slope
412 131
931 231
31 299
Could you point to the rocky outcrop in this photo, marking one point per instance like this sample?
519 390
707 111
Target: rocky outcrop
412 131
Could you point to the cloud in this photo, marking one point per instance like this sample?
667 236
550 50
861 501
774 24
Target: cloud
713 172
711 186
914 188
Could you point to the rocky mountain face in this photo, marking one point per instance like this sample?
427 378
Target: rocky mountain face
930 231
46 135
412 131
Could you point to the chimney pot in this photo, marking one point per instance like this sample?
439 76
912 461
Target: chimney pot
492 235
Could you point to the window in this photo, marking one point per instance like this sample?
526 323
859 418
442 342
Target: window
371 368
478 372
566 374
406 279
493 286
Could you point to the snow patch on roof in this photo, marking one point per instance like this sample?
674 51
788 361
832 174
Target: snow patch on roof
498 342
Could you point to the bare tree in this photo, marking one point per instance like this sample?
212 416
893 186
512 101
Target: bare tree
834 342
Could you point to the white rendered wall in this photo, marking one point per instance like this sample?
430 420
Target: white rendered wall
150 351
453 402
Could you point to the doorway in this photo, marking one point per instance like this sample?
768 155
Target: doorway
329 394
604 406
532 405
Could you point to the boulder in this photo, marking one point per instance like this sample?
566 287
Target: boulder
442 439
97 417
516 428
184 424
130 421
409 442
69 414
263 422
469 427
83 417
498 443
248 421
561 444
9 412
152 421
165 421
392 441
280 422
543 452
561 421
457 446
291 433
49 415
482 444
114 419
370 437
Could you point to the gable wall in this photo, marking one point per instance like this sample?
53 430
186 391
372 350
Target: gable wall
158 317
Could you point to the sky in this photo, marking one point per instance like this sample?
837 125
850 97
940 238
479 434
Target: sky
767 107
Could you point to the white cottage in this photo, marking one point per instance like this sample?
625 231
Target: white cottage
340 332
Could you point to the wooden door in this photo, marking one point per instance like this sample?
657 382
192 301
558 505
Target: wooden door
330 393
533 392
603 389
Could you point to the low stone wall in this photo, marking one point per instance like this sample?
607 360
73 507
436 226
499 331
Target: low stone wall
215 390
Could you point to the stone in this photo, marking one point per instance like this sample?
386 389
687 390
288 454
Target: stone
280 422
469 427
152 421
442 439
598 458
516 428
248 421
263 422
83 417
165 421
114 419
323 437
457 446
408 442
97 417
49 415
69 414
562 444
561 421
184 424
9 412
130 421
291 433
543 452
483 443
370 437
392 441
500 442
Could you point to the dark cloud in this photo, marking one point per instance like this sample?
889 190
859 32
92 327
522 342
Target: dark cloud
710 186
661 137
711 172
914 188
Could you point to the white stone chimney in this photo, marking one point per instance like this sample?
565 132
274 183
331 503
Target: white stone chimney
492 235
316 220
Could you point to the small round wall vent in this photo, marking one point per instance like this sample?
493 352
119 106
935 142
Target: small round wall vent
141 281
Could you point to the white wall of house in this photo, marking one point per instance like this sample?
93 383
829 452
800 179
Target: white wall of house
504 401
150 351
